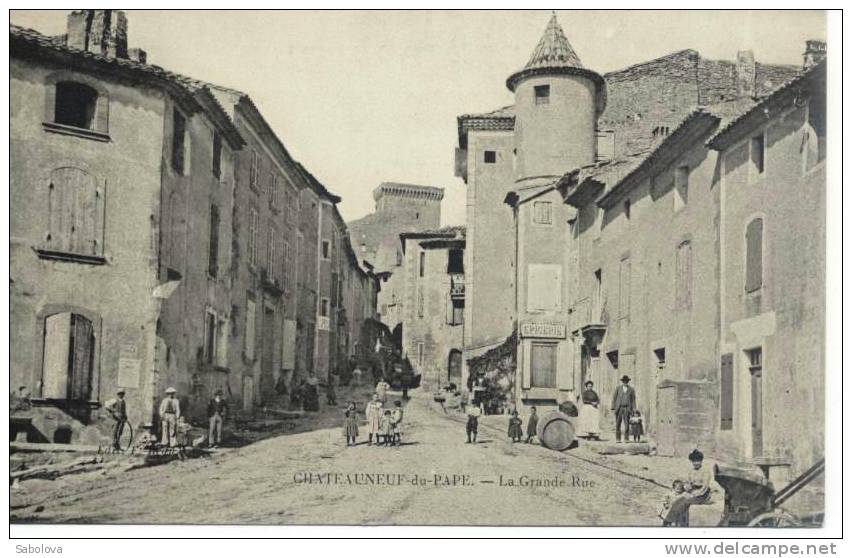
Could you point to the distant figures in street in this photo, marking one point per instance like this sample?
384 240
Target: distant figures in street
588 423
382 388
374 415
350 424
532 425
169 416
623 405
473 414
515 427
217 412
331 390
310 393
696 491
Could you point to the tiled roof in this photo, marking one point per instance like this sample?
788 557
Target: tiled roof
759 109
193 92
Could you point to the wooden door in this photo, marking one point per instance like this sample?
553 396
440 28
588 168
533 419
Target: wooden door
666 399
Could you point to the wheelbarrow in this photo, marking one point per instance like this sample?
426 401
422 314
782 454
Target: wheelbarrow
751 499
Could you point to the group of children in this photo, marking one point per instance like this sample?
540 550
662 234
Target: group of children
515 433
516 426
385 424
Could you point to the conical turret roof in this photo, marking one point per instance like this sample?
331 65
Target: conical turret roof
553 49
555 55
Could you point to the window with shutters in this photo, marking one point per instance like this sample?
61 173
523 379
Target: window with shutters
421 303
683 283
421 353
251 325
544 287
543 365
75 223
422 268
754 256
726 399
287 265
814 140
211 326
757 156
542 94
624 288
254 169
213 255
253 236
75 105
326 250
272 262
335 280
543 212
324 308
274 194
217 154
178 142
69 357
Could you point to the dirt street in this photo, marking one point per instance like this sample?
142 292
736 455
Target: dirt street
311 477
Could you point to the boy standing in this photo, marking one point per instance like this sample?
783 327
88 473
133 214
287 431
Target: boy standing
473 414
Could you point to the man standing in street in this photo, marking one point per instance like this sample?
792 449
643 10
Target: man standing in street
623 404
169 415
118 409
217 412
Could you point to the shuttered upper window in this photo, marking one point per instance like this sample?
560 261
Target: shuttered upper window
543 212
754 256
75 207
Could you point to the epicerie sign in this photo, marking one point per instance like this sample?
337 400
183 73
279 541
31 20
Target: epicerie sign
549 331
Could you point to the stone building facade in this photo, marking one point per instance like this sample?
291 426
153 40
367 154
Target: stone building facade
433 321
628 242
375 238
152 211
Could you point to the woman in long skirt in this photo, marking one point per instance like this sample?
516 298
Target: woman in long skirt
350 424
588 423
374 419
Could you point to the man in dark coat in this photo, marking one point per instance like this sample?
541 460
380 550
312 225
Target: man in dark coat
623 404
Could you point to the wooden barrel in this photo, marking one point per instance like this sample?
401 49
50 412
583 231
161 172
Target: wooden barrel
556 431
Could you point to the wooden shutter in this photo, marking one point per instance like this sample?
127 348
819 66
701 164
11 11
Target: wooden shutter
543 365
82 354
754 255
57 345
726 385
213 256
75 212
101 113
683 294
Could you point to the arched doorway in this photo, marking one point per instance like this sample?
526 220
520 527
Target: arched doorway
454 367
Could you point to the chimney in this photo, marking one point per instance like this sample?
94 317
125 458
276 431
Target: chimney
101 32
745 74
815 52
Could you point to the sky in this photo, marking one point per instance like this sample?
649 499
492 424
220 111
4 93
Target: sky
364 97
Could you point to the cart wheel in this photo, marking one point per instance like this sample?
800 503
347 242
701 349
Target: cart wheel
775 518
125 441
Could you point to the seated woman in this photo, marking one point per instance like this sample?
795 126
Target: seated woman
696 491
